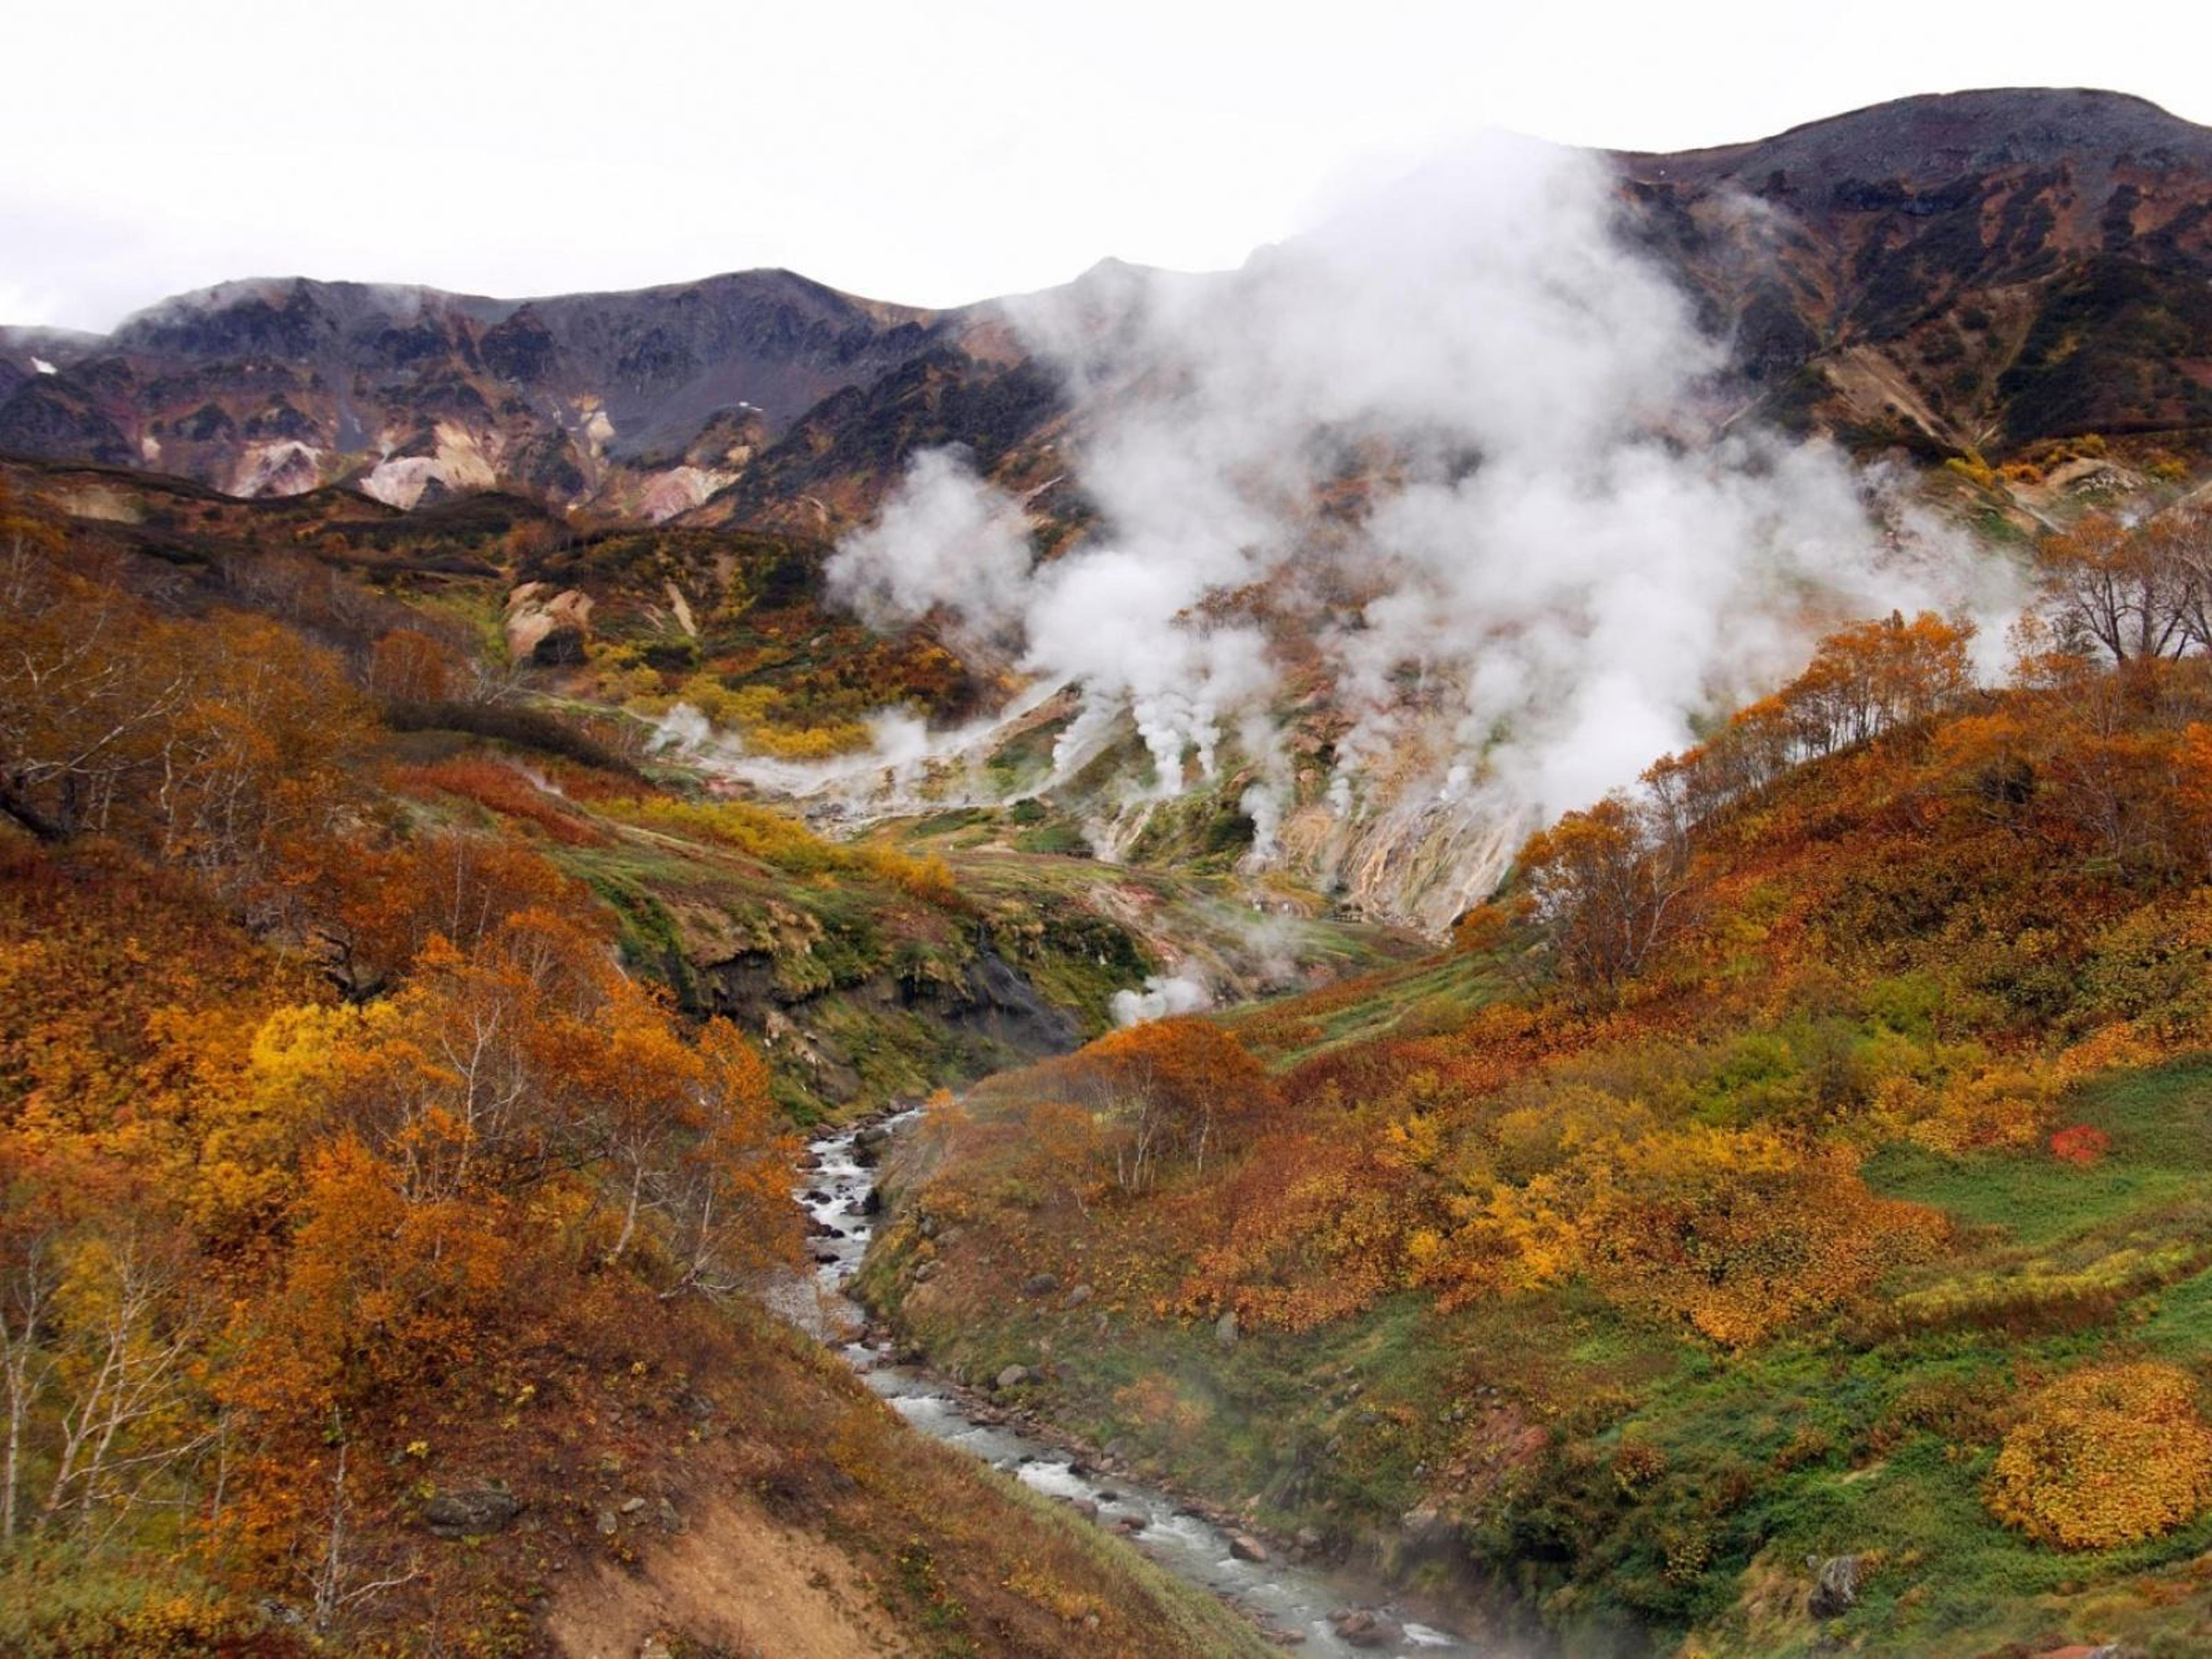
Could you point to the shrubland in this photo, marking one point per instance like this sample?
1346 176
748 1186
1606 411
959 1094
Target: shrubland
381 1235
1801 1158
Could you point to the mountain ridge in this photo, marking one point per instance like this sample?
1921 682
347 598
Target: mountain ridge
1950 272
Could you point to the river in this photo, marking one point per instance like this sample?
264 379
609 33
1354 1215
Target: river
1293 1599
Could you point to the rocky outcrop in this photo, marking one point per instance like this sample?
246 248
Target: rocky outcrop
1366 1628
1835 1586
472 1512
547 628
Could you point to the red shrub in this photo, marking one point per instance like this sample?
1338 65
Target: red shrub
2080 1145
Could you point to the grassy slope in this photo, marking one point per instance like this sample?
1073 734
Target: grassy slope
961 1560
1822 1446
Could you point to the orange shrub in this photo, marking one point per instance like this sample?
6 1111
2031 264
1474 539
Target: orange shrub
408 665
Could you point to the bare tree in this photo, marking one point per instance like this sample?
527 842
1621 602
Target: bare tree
2114 587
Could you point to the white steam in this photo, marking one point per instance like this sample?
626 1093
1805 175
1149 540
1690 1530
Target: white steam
1160 998
686 731
946 538
1460 445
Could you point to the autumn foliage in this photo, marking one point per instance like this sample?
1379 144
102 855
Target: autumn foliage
319 1123
1884 906
2080 1145
2108 1455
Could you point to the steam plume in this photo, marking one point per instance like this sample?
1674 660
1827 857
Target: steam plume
1461 443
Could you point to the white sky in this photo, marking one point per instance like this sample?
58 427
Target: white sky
931 151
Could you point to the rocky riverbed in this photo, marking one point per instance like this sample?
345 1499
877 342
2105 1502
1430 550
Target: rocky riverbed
1281 1583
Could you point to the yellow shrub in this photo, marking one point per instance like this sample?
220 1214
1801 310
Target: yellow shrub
2109 1456
804 743
773 838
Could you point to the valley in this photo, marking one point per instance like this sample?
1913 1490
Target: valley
1492 937
1285 1597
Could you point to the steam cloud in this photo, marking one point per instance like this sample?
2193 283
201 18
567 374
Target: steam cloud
947 538
1160 998
1465 437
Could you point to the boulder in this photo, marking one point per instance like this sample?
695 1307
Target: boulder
472 1512
1076 1297
1041 1284
1366 1628
1245 1548
1012 1377
1224 1329
1835 1588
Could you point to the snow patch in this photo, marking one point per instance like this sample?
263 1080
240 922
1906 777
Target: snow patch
43 367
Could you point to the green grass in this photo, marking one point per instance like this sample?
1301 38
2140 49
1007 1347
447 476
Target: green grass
2160 1122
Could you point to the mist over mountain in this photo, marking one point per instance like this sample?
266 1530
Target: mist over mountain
1972 269
1433 521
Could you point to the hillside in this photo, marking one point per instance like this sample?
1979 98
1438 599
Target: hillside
1543 860
1970 272
389 1192
1262 563
1795 1182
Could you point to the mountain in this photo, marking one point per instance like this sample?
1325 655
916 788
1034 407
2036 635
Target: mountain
1761 1213
644 401
1977 270
1967 272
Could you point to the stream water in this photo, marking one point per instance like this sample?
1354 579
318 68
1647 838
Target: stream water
1295 1599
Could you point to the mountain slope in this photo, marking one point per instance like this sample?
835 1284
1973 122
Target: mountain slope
254 866
1859 1219
1976 271
1980 269
275 386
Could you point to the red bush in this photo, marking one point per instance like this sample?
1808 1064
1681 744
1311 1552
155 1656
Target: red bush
2080 1145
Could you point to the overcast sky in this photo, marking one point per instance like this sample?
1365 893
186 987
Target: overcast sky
931 151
